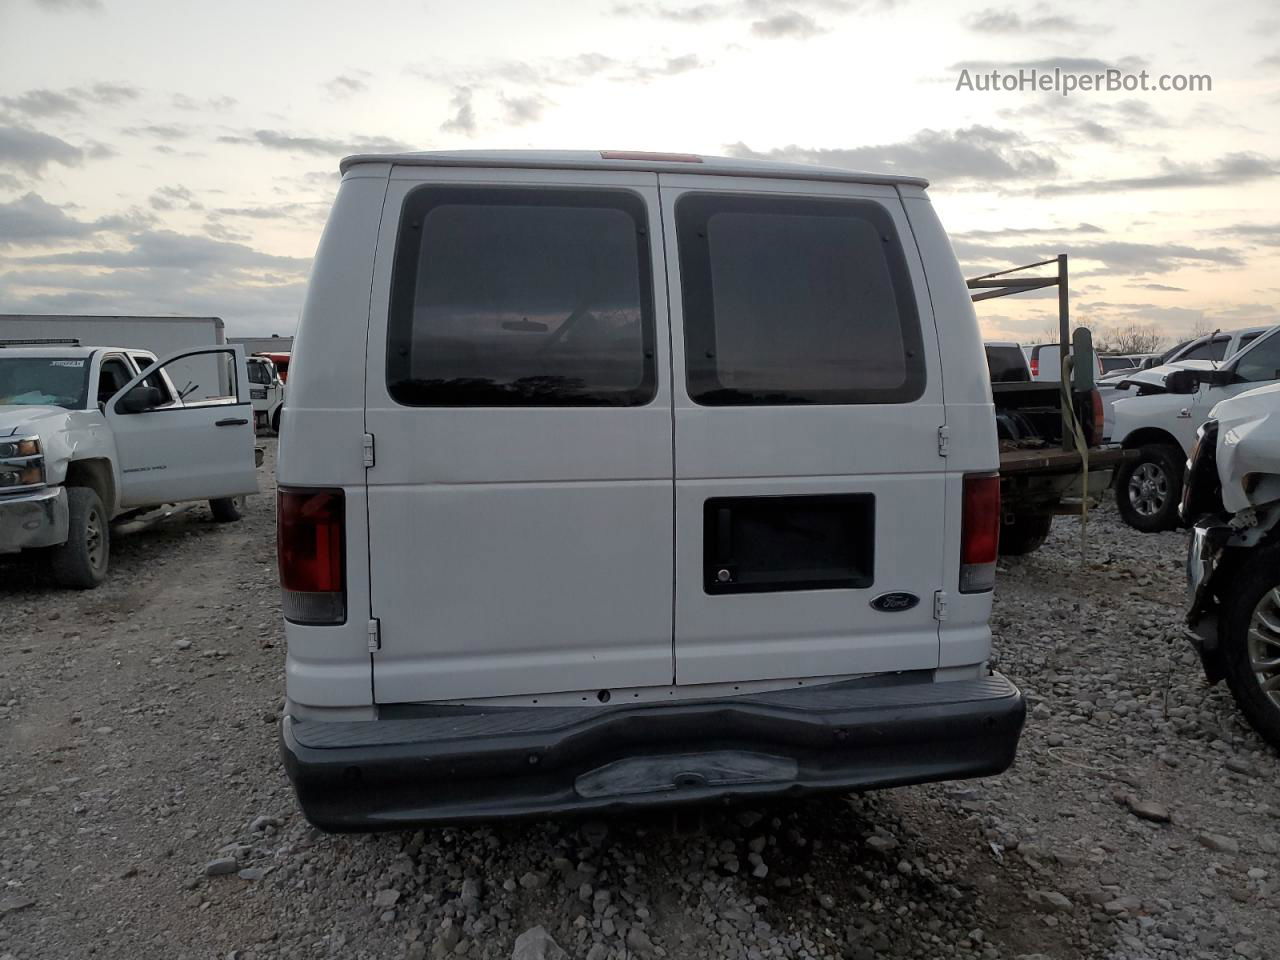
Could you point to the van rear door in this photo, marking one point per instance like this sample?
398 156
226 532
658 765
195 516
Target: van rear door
518 404
808 397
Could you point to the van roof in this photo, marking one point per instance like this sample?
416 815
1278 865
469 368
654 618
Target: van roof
684 163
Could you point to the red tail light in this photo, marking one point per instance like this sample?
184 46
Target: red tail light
1035 365
980 532
1093 431
310 546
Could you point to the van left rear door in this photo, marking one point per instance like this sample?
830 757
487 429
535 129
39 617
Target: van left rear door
518 398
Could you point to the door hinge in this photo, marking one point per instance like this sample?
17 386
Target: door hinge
367 449
944 440
939 605
375 635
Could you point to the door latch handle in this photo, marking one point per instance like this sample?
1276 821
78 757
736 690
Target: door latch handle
232 422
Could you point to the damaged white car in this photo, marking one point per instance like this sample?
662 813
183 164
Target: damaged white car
1232 495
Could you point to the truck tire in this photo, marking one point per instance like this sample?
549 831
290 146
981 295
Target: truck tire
81 562
275 421
227 509
1148 489
1025 534
1250 609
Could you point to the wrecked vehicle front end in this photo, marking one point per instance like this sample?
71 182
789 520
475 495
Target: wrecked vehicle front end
1231 498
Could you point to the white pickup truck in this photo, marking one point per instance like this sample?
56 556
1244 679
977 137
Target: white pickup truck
1160 422
95 435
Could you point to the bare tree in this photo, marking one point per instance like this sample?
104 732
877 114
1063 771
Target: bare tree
1048 335
1128 338
1201 327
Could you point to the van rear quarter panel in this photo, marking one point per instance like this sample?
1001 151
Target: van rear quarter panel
322 430
965 635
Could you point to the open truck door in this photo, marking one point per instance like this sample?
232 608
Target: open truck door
184 429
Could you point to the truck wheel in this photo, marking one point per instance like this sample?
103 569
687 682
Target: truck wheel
227 509
1250 639
1148 489
1024 534
275 422
81 562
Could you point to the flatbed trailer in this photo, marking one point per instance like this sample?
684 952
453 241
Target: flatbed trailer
1052 460
1034 462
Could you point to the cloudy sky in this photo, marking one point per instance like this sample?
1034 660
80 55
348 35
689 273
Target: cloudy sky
162 157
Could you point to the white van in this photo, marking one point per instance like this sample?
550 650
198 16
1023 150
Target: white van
1045 362
666 478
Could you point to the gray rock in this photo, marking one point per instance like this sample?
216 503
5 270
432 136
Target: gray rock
1053 901
15 903
536 944
1149 810
1126 904
386 898
446 940
1218 843
223 866
1240 765
639 942
882 844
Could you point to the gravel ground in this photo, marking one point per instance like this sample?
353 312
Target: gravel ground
145 812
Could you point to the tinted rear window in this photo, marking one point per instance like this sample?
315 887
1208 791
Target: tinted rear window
796 300
504 297
1112 364
1007 365
1214 349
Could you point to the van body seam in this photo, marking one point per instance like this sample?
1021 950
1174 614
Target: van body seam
671 410
364 419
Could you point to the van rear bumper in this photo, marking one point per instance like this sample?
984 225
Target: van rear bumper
471 763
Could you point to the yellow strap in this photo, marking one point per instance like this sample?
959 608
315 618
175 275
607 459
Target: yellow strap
1082 447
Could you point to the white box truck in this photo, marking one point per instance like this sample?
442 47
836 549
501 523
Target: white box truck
162 336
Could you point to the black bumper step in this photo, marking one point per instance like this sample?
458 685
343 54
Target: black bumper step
473 763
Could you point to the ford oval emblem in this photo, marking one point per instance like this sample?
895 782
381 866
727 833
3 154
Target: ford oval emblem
894 602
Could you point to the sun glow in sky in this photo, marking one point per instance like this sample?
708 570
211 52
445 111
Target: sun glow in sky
162 157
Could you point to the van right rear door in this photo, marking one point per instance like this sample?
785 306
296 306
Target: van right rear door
808 402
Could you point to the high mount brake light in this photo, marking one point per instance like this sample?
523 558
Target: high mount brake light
310 542
980 532
646 155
